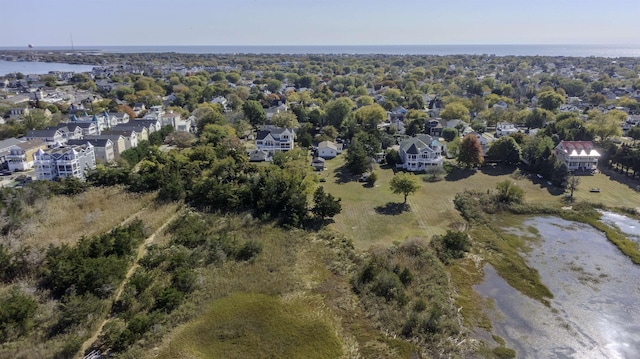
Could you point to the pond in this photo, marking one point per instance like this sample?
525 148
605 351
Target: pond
595 312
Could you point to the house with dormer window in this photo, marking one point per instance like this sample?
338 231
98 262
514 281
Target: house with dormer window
272 139
577 155
420 153
64 161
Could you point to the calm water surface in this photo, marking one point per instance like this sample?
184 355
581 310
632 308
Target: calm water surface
595 312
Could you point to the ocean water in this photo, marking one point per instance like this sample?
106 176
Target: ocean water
9 67
609 51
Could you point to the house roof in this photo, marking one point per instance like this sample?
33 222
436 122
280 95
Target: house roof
31 144
415 145
328 144
95 142
123 133
9 142
578 148
43 133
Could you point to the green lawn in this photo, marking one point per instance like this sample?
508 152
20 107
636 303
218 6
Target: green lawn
245 325
431 208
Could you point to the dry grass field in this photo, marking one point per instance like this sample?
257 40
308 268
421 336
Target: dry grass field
432 212
66 219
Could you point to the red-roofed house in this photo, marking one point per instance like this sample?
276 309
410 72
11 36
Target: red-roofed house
577 155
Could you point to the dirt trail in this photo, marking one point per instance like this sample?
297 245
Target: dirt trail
142 248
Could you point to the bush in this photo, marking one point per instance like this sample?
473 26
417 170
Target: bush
371 180
249 250
17 311
452 245
388 285
168 300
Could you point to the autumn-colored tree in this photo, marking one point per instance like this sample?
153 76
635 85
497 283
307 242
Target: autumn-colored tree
470 152
128 110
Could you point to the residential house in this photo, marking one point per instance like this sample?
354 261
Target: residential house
18 113
5 147
118 118
20 157
505 129
170 118
139 108
151 125
52 137
577 155
258 156
70 131
434 127
420 153
142 133
103 148
632 120
272 139
118 141
64 161
328 149
130 137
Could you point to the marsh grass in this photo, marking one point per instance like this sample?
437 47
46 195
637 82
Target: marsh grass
66 219
250 325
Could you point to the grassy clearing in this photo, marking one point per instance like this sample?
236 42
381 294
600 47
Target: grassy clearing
252 325
65 219
432 211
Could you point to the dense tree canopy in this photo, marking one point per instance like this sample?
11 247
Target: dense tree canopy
470 152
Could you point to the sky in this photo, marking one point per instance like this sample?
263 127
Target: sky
317 22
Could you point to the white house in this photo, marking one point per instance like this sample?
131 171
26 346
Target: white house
65 161
505 129
328 149
577 155
272 139
420 153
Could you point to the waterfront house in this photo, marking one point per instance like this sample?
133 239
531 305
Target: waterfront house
577 155
420 153
64 161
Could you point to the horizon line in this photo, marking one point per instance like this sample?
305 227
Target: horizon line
322 45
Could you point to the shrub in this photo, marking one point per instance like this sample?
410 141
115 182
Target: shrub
17 311
388 285
168 300
249 250
452 245
371 180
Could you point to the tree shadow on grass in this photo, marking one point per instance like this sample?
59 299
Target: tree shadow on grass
343 175
316 224
459 174
392 208
497 170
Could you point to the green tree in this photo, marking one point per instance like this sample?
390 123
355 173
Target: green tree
449 134
405 184
634 132
17 311
455 111
506 150
550 100
572 184
369 117
606 125
36 120
509 192
254 112
325 205
285 119
470 152
337 110
538 118
357 160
